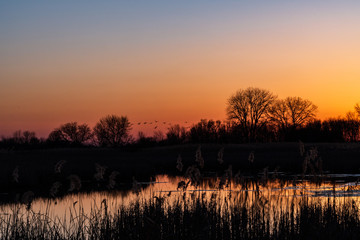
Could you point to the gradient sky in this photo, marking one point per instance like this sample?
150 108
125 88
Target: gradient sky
170 61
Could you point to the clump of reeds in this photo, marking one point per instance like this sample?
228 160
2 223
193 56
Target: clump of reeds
220 156
59 166
179 164
112 179
198 157
75 183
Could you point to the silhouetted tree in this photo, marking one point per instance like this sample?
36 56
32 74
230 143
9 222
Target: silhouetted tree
311 132
29 137
143 140
112 130
71 133
357 109
352 127
204 131
249 107
291 113
26 137
176 134
56 137
158 136
333 130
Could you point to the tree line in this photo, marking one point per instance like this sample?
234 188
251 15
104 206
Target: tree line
254 115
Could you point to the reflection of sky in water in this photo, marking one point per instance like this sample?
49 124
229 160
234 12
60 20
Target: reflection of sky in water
273 194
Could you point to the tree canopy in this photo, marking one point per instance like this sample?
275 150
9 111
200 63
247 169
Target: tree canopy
249 108
112 130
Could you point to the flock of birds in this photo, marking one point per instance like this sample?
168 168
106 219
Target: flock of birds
157 123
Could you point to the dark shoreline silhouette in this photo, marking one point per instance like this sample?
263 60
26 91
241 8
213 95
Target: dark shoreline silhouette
254 116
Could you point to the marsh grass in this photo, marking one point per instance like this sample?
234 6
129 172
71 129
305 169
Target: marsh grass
191 214
238 207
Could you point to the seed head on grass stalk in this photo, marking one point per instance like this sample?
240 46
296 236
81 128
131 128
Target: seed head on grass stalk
112 179
55 188
136 187
301 148
228 172
15 174
238 178
265 176
100 172
251 157
193 174
198 157
59 166
75 183
220 156
179 164
27 199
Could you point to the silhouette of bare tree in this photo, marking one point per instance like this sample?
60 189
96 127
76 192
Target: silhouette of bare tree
292 112
357 109
112 130
249 108
71 133
176 134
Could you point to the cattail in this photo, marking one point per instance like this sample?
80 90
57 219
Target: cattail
301 148
55 188
198 157
220 156
75 183
15 174
100 172
112 179
251 157
59 165
179 164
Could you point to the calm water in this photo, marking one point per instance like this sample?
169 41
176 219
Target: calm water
274 194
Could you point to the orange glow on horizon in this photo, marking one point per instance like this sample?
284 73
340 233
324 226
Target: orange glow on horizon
169 67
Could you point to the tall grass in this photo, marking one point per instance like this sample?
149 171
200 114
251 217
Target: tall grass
195 215
238 208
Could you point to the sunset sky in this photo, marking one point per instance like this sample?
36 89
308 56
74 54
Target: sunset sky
172 61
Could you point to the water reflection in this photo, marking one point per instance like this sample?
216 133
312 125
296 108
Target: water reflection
277 195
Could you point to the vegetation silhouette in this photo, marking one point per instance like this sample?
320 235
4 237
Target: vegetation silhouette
237 206
249 108
71 134
291 113
254 116
112 131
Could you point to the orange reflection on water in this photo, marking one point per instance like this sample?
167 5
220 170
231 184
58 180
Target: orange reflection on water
275 197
